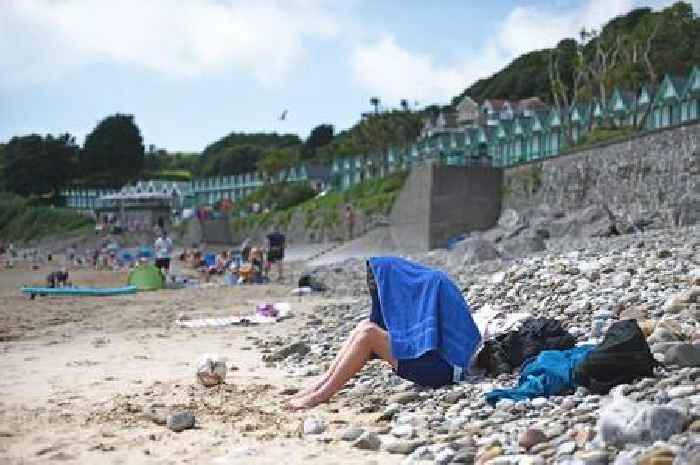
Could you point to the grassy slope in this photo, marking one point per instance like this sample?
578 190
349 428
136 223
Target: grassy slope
20 221
376 196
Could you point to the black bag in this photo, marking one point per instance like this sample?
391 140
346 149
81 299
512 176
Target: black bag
622 357
309 280
510 350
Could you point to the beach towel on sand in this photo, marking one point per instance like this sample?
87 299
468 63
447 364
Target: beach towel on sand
423 310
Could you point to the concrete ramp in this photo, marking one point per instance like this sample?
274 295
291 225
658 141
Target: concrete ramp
377 242
440 202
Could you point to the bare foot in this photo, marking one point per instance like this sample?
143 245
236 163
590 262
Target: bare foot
303 403
307 392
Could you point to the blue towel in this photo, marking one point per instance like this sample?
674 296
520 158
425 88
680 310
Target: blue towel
548 374
423 310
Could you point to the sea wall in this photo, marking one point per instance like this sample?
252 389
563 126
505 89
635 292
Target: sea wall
438 203
651 175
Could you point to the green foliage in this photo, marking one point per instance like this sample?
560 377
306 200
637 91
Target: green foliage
376 196
39 165
374 134
672 32
20 221
239 153
319 136
113 153
601 135
170 175
278 160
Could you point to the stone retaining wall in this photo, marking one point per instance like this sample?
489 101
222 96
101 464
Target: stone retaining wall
651 174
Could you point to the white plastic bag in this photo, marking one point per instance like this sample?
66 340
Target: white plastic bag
211 370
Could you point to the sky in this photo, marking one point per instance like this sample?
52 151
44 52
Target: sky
192 71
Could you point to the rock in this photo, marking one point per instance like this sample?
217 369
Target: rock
403 398
474 250
521 246
638 312
641 423
569 403
297 348
404 431
367 441
647 327
455 396
593 457
583 436
466 456
351 433
402 446
684 355
658 456
313 426
681 391
694 427
488 454
539 402
498 277
444 456
531 437
180 421
566 448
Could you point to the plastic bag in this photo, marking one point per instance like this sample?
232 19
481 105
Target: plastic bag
623 421
211 370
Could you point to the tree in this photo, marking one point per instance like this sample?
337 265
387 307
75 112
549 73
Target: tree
277 161
113 153
374 101
234 160
39 165
319 136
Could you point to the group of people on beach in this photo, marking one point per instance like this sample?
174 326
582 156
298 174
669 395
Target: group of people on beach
250 264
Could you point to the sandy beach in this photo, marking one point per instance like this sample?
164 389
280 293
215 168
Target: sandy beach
86 378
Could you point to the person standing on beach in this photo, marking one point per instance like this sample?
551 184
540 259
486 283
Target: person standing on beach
163 248
349 221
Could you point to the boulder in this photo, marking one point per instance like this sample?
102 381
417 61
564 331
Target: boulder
473 250
684 355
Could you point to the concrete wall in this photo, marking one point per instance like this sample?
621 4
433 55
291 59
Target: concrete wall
463 199
438 203
410 215
656 174
212 231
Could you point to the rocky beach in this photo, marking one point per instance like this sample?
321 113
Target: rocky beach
112 380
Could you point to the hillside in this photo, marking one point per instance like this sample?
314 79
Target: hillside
672 35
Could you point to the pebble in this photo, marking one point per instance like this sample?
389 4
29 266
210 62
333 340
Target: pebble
405 431
531 437
351 433
400 446
602 281
367 441
180 421
403 398
682 391
313 426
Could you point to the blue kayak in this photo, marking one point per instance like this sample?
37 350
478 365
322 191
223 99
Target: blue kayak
87 291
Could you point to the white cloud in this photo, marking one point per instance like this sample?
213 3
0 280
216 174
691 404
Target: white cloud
42 39
391 72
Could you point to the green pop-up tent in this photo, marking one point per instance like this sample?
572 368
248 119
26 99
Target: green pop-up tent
146 278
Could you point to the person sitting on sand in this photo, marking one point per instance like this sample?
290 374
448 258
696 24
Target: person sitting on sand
419 324
57 278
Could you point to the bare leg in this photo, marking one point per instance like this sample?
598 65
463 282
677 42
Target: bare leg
371 338
364 324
